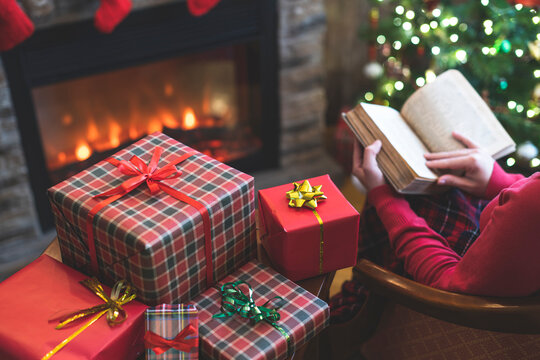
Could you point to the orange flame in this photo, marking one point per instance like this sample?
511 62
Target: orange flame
62 157
92 133
67 119
168 120
133 134
83 151
189 121
114 134
154 125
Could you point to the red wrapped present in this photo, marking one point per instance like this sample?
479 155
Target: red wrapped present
257 314
159 214
172 332
309 228
47 289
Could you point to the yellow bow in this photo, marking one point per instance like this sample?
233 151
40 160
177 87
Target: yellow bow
121 294
305 195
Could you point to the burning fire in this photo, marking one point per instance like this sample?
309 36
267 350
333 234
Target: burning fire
190 121
83 151
114 134
93 133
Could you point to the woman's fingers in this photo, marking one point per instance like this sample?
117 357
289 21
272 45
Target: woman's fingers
448 154
370 154
464 140
456 181
460 162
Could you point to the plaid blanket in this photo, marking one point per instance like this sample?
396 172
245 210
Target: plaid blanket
453 214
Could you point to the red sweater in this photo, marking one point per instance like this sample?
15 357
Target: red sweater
503 261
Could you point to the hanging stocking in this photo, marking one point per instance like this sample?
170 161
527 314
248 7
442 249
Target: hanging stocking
15 26
110 14
201 7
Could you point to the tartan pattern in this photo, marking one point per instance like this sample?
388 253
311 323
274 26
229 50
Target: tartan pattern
303 316
155 241
167 321
454 214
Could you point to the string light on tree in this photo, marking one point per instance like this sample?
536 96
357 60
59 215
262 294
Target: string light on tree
494 43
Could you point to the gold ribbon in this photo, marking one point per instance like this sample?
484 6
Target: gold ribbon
121 294
305 195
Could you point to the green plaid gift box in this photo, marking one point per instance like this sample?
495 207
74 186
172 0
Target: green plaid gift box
155 241
303 316
168 321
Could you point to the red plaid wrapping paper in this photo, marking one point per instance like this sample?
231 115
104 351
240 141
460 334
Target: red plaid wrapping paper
167 321
155 241
303 316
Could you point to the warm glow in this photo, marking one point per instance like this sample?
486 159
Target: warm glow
168 90
190 121
133 134
67 119
154 125
83 151
62 157
93 133
114 134
168 120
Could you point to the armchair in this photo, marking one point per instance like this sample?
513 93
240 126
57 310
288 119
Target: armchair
416 321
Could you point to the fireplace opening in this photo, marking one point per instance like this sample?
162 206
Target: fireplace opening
209 101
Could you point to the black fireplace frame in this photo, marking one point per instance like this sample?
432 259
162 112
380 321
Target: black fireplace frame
68 51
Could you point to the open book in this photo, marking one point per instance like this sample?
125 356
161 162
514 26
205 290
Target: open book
425 124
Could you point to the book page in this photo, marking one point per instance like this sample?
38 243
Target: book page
449 104
406 143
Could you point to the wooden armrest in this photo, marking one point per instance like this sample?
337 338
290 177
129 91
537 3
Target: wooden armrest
511 315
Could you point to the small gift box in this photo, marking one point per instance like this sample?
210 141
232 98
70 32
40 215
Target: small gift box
46 290
257 313
308 227
172 332
159 214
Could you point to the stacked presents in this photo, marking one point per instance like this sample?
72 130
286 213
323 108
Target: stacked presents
159 253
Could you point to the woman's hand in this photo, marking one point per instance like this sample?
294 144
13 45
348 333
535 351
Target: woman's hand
475 164
365 166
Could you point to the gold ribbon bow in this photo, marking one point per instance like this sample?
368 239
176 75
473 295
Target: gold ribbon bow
121 294
305 195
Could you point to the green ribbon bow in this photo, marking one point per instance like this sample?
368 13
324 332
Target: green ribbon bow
235 301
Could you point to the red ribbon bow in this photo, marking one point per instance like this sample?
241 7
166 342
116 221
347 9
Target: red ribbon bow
160 345
140 173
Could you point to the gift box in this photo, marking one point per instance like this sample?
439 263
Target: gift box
301 317
159 214
302 240
47 288
172 332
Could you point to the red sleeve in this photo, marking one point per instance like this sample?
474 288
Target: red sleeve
499 180
503 261
426 254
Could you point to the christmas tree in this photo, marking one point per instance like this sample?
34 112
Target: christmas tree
494 43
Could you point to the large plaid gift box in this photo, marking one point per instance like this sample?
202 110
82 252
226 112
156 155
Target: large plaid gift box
172 332
303 316
170 223
308 228
47 289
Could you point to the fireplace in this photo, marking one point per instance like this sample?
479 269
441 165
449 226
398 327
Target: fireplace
208 100
209 82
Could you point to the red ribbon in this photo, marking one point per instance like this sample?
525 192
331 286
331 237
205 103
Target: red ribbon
140 173
159 344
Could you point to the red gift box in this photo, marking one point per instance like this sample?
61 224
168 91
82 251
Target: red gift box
43 290
292 236
302 316
189 222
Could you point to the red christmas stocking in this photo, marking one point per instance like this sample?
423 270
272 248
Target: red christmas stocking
15 26
110 14
201 7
